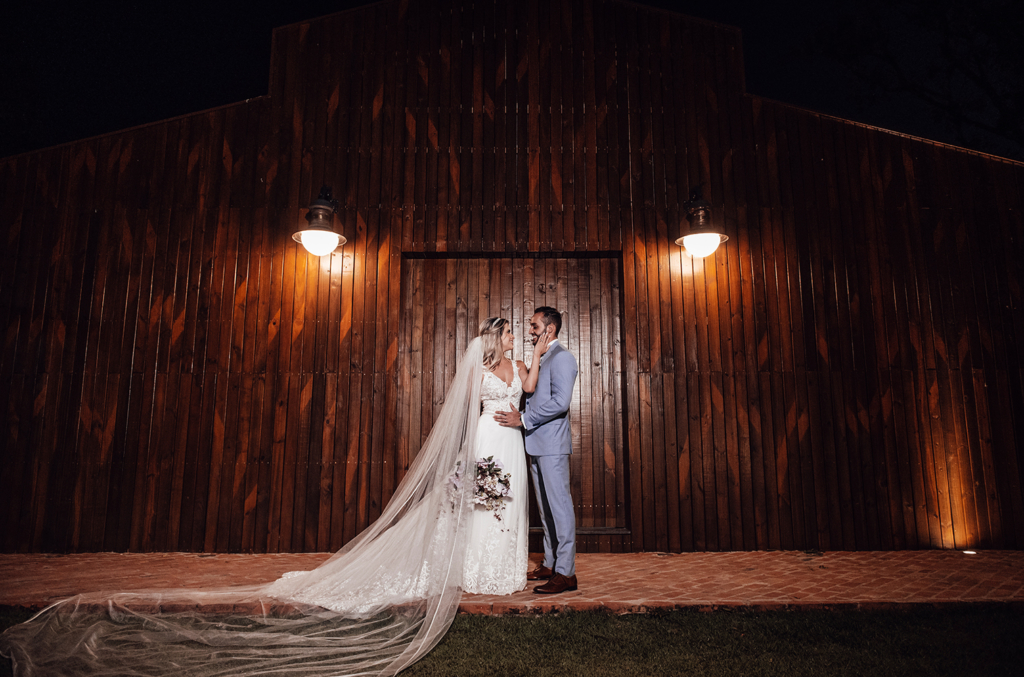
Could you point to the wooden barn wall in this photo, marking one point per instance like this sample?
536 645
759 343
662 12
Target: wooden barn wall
844 373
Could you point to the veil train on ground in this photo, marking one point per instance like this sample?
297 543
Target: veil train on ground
376 606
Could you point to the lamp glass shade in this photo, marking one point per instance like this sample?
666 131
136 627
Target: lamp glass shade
702 244
319 242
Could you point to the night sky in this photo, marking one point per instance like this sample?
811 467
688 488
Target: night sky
71 70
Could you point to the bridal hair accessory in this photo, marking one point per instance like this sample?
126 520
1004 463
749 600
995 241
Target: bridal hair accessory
493 486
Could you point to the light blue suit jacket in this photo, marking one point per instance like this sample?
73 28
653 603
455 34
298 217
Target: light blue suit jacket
546 414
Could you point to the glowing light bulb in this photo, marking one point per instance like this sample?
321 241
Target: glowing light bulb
702 244
319 242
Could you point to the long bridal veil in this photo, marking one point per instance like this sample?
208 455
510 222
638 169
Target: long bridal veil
373 608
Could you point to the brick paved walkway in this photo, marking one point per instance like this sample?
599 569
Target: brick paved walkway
617 582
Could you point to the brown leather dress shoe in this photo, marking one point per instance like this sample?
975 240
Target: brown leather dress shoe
557 584
541 573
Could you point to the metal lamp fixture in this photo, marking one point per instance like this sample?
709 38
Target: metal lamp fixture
319 238
702 238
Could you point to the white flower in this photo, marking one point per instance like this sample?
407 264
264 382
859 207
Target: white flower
493 486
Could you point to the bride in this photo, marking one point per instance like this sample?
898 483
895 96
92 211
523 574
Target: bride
497 551
373 608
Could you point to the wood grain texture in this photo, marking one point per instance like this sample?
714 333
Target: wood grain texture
486 285
846 372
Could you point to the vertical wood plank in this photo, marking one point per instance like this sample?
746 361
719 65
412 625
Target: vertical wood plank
843 372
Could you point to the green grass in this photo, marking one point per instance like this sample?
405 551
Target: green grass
953 641
11 615
961 641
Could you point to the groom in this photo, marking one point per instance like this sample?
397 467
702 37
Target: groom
549 444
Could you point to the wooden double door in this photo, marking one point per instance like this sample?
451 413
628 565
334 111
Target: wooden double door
443 302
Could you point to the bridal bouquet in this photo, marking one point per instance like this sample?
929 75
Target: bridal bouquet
493 486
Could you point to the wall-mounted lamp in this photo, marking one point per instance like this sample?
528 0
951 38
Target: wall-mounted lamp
319 238
701 238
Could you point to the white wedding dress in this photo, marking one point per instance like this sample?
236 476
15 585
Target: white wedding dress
497 550
377 605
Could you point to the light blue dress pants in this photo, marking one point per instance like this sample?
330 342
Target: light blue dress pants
551 485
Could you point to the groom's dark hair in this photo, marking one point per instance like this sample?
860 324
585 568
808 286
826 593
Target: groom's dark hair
550 316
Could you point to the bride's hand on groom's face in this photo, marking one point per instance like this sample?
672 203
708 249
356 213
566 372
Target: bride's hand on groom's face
509 419
543 342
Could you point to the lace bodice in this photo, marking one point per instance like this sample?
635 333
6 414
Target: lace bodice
496 395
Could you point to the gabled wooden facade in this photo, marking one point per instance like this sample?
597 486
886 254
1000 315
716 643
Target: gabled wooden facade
844 373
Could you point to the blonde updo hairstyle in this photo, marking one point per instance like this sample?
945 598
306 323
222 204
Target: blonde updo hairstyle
491 330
